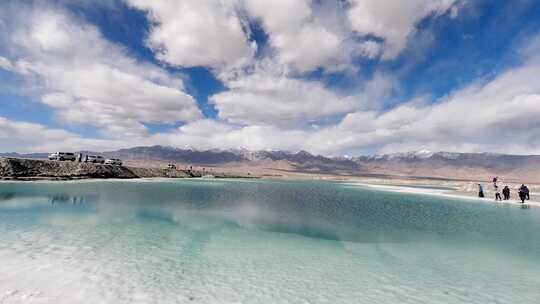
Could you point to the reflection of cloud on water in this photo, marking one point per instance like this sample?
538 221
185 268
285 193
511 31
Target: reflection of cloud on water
305 223
246 215
24 202
6 196
253 216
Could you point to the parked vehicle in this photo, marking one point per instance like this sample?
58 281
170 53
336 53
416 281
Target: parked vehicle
113 161
96 159
61 156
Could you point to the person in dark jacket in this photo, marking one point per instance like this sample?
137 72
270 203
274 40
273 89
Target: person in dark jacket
506 193
527 197
522 194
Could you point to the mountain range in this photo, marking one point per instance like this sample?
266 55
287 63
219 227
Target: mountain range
418 164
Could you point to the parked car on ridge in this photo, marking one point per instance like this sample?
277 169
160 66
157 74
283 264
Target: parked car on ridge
113 161
61 156
96 159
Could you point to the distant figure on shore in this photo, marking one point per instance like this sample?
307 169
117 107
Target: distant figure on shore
480 191
523 193
506 193
86 158
497 190
527 197
497 193
79 157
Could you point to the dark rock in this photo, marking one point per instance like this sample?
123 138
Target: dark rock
31 168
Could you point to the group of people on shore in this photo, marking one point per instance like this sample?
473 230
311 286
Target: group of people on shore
523 191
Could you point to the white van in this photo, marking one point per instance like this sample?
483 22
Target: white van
113 161
96 159
61 156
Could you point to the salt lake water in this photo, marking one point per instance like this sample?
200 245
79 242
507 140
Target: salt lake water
260 241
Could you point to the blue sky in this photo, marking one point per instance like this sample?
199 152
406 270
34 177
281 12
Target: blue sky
331 77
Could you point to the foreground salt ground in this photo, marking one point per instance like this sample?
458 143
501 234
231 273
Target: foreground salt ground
269 269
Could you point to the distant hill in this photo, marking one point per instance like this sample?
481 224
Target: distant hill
300 161
478 166
447 165
27 155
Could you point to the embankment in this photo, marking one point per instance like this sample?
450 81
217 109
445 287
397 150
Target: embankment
31 169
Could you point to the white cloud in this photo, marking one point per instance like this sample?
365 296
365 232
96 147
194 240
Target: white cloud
29 131
269 105
498 116
5 64
197 33
210 134
20 136
17 136
303 35
266 96
393 21
304 39
88 79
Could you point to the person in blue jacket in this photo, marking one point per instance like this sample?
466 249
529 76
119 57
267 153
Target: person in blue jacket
480 191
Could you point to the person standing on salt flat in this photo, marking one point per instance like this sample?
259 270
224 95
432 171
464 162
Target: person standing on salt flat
497 191
480 190
506 193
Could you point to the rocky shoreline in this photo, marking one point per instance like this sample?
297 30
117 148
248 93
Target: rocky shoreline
32 169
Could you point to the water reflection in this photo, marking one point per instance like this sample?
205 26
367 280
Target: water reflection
323 211
14 200
63 199
6 196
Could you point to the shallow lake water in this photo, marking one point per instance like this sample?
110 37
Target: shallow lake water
260 241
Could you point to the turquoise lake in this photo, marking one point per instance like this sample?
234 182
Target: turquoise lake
260 241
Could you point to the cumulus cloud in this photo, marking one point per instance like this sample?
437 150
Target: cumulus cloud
269 103
197 33
270 97
21 136
266 96
394 21
88 79
497 116
31 137
5 64
303 35
300 37
210 134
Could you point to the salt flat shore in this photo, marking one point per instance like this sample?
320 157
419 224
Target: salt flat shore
449 193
